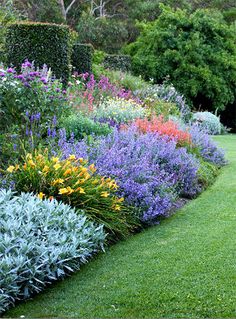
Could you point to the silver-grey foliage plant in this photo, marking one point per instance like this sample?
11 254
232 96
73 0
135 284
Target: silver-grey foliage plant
40 241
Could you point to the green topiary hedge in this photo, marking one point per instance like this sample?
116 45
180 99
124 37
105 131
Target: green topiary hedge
43 43
117 62
82 56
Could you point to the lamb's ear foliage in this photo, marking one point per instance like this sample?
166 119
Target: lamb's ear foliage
40 241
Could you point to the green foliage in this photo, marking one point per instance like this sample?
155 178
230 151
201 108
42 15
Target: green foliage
98 56
208 122
196 51
82 56
7 15
73 181
207 173
120 79
29 93
104 34
82 126
117 62
40 242
42 43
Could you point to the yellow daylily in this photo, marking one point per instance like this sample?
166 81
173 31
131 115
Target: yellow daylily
58 181
57 166
104 194
63 191
45 169
67 172
41 195
10 169
72 157
55 159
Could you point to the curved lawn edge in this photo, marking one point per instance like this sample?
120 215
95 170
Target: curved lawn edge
183 268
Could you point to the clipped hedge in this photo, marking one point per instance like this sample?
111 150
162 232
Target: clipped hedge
43 43
118 62
82 58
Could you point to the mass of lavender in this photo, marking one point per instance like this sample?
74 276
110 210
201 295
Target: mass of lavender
149 169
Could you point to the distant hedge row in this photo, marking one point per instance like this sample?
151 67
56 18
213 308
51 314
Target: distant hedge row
46 43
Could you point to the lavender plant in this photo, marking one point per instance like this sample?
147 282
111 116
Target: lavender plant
149 169
40 241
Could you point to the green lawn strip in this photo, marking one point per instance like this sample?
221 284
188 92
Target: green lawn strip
185 267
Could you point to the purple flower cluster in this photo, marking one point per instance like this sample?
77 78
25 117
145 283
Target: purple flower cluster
207 148
150 170
104 86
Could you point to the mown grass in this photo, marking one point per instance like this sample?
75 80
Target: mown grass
185 267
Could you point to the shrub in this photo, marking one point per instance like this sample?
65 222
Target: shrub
29 92
148 168
155 95
162 127
82 56
74 182
42 43
208 122
119 110
207 149
117 62
81 126
40 242
98 56
195 50
207 174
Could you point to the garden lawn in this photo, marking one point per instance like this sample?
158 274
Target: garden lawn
186 267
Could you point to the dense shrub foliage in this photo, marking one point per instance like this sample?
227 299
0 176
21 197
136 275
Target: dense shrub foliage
208 122
42 43
81 126
40 241
117 62
82 57
196 51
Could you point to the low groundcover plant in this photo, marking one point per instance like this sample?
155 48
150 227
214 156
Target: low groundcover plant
40 241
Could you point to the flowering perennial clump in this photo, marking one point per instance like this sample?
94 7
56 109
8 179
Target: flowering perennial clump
162 127
149 169
73 182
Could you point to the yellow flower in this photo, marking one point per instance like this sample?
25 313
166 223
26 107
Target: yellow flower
81 160
28 156
83 169
39 157
67 172
117 207
63 191
24 166
45 169
17 167
57 166
104 194
32 163
55 159
58 181
120 200
10 169
80 190
87 176
70 190
92 168
72 157
41 195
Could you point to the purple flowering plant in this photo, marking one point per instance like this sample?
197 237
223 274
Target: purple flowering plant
31 90
149 169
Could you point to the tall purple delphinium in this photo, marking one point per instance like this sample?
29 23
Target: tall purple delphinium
149 169
208 149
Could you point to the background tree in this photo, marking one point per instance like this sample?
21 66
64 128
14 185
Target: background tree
195 51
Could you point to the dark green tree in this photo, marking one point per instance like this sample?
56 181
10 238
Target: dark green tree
196 52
